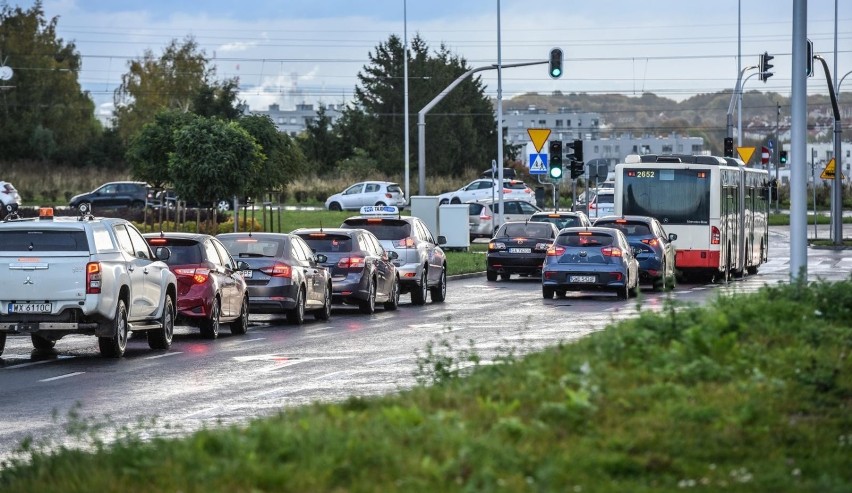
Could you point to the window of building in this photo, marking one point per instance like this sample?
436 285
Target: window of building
293 120
596 150
667 148
618 149
521 123
568 123
607 149
696 148
680 148
595 123
281 120
542 123
558 123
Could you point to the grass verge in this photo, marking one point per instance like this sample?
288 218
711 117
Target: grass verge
751 393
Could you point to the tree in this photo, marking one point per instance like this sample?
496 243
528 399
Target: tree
218 99
47 105
284 159
149 150
320 144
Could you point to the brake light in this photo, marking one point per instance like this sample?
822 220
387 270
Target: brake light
507 190
93 278
621 221
277 270
496 245
405 243
651 241
715 235
351 263
484 215
199 276
157 241
611 252
555 251
388 195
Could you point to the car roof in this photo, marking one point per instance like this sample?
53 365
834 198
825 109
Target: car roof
333 231
494 201
558 213
262 235
178 235
644 219
591 229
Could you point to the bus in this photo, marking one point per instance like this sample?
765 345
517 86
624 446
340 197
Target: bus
717 207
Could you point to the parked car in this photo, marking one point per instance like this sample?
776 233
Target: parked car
169 199
377 193
8 195
562 219
508 174
283 275
484 188
590 259
482 212
210 285
655 250
519 247
602 204
86 275
420 262
133 194
362 272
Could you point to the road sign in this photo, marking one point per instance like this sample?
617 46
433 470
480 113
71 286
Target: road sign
828 172
538 136
745 153
764 155
769 144
538 164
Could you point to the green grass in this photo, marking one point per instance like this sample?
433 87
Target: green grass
750 394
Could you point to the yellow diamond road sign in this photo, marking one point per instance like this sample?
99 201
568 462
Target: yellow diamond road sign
538 136
745 153
828 172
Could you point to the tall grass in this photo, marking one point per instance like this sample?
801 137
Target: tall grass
46 183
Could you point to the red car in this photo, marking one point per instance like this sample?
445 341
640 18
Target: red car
210 285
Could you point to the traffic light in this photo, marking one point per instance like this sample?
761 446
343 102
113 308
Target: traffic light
764 66
555 149
577 169
555 63
576 150
782 157
729 147
810 59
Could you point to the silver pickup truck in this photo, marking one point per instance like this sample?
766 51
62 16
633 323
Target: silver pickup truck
83 275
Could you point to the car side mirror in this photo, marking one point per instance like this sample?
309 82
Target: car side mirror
320 258
392 255
442 240
243 265
672 236
162 253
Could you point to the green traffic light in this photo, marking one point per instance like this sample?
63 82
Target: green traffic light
555 172
555 72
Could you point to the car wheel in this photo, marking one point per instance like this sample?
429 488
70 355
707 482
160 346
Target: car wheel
418 294
561 293
547 292
455 200
113 347
443 202
368 306
505 277
41 343
490 275
137 205
296 316
380 204
393 301
162 338
334 206
223 206
324 313
439 292
2 342
624 292
210 326
240 325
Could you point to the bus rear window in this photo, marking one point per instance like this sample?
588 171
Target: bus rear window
674 196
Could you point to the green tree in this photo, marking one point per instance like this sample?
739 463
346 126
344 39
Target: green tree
47 101
284 159
218 99
320 144
149 150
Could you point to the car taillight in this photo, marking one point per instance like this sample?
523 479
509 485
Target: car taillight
388 195
555 251
715 235
405 243
277 270
93 278
651 241
484 215
611 252
351 263
199 276
592 206
496 245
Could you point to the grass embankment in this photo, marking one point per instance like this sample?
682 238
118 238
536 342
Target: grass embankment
750 394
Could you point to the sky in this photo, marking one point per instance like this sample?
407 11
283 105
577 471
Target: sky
297 51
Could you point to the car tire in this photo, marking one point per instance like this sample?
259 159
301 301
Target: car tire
223 206
455 200
296 316
210 326
41 343
380 204
393 300
114 347
162 338
561 293
443 202
490 275
334 206
324 313
547 292
368 306
418 294
624 292
240 325
2 342
505 277
439 293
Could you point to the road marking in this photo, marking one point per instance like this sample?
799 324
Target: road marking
62 376
200 411
249 340
23 365
392 359
173 353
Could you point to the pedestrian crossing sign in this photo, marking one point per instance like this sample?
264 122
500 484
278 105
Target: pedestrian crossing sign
538 164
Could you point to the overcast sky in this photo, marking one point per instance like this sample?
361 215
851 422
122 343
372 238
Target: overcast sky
674 48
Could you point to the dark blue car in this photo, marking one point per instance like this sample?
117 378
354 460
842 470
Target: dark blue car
654 249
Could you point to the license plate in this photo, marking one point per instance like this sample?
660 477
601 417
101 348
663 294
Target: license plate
581 279
520 250
30 307
246 274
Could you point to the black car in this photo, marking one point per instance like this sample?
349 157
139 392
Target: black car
519 247
362 272
284 275
655 250
168 199
132 194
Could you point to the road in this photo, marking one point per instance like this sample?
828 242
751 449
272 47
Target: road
235 378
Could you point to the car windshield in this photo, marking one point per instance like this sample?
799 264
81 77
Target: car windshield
326 243
43 241
529 230
384 229
628 228
246 246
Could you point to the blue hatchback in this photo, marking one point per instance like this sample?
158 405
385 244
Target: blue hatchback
654 249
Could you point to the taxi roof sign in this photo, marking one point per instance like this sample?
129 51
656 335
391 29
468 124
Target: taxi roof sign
379 210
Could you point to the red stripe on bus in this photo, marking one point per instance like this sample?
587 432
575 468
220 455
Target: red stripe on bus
686 259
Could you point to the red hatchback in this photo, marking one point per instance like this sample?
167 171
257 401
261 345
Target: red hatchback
211 288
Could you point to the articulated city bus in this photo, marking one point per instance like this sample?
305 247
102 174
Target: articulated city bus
717 207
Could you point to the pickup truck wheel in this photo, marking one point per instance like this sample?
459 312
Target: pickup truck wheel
2 342
113 347
240 325
162 338
210 326
296 316
41 343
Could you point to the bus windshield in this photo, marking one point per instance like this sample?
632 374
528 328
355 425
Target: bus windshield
673 196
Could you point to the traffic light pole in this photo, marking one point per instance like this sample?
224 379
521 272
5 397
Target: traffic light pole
737 89
837 192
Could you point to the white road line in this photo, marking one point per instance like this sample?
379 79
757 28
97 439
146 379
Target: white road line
62 376
24 365
392 359
200 411
248 340
173 353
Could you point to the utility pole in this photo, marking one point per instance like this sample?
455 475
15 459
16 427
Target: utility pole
777 161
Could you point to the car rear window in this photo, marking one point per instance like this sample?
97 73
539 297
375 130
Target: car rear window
515 185
183 251
605 198
325 243
559 221
384 229
44 241
394 188
474 209
628 228
528 230
244 247
584 239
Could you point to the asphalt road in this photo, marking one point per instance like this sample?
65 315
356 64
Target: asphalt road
235 378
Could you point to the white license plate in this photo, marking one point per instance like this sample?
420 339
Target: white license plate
246 274
520 250
581 279
30 307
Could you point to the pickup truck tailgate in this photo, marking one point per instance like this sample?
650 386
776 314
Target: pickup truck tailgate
43 278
